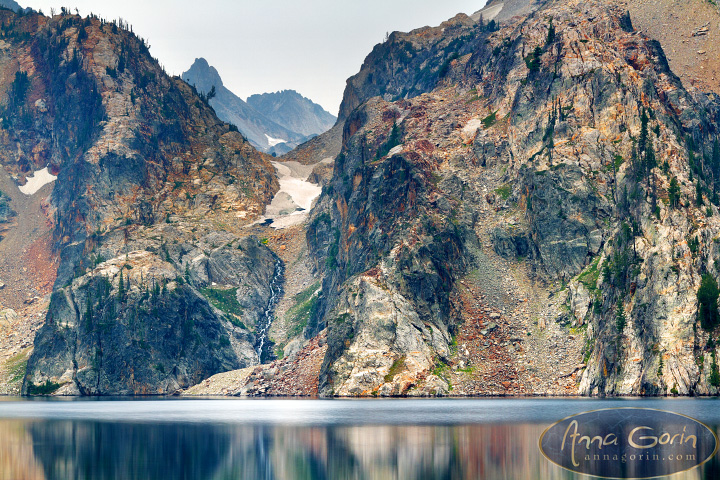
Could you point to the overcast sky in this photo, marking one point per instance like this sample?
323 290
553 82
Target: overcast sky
258 46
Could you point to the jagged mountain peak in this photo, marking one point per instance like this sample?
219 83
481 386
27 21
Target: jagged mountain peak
273 122
293 111
11 4
203 76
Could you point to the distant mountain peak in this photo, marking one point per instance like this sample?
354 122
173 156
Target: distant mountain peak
293 111
273 122
11 4
203 76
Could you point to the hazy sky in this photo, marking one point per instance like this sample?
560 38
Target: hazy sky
258 46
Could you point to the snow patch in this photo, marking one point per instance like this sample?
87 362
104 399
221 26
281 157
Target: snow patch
470 129
274 141
302 192
395 150
36 181
293 201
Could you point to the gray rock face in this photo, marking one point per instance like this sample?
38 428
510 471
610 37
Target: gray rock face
156 333
293 111
566 229
383 292
149 183
408 64
540 131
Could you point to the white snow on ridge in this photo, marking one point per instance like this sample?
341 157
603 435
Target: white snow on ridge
38 180
274 141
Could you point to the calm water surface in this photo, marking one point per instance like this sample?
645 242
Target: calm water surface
298 439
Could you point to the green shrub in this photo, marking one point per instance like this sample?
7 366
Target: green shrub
46 388
707 296
224 299
397 366
490 120
504 191
620 320
714 373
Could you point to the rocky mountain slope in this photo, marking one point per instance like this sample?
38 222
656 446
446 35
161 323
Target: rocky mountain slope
690 41
293 111
158 286
521 206
572 124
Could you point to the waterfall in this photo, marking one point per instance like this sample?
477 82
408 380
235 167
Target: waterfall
263 326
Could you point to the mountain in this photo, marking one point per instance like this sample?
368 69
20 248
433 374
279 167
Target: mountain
264 133
150 194
293 111
525 205
11 4
519 202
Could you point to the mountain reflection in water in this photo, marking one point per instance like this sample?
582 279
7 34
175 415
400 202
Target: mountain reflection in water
57 448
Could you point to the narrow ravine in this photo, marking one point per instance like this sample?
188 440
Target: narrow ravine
265 322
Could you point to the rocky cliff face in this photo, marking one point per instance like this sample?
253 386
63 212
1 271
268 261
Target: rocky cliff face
408 64
156 274
550 182
293 111
136 325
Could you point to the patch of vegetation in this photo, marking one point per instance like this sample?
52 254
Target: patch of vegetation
445 68
47 388
224 299
590 275
443 371
620 320
393 140
674 192
279 351
707 296
490 120
331 260
533 60
299 314
714 373
16 366
587 349
397 366
504 191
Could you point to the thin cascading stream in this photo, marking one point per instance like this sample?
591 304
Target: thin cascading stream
268 315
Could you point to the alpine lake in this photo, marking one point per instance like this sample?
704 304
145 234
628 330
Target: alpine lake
263 439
